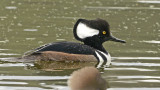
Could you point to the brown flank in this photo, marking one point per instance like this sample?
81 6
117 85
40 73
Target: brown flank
60 56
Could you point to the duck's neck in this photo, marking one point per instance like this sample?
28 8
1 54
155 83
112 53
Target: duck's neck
96 45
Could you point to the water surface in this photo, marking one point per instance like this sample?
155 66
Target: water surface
27 24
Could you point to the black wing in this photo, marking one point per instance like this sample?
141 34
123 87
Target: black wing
67 47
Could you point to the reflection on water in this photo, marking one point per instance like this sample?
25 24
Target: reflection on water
5 41
136 64
134 73
141 58
30 30
124 8
8 54
11 7
147 1
134 69
153 41
33 78
25 25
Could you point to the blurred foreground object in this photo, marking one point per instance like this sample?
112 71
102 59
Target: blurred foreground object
87 78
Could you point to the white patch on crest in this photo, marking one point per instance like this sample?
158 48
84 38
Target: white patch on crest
83 31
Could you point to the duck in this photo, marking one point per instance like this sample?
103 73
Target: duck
92 34
87 78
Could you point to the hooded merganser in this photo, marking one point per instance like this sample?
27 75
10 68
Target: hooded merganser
91 32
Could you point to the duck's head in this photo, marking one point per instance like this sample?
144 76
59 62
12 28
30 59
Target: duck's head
97 31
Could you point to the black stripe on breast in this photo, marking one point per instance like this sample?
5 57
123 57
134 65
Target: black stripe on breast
103 56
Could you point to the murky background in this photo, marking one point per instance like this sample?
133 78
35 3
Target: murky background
27 24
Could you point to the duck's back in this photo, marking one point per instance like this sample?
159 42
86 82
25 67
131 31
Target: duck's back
62 51
66 47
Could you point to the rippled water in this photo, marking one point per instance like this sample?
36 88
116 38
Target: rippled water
27 24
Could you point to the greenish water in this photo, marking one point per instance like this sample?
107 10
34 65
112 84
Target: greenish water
27 24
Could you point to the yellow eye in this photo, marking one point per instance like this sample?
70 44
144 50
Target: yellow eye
104 32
